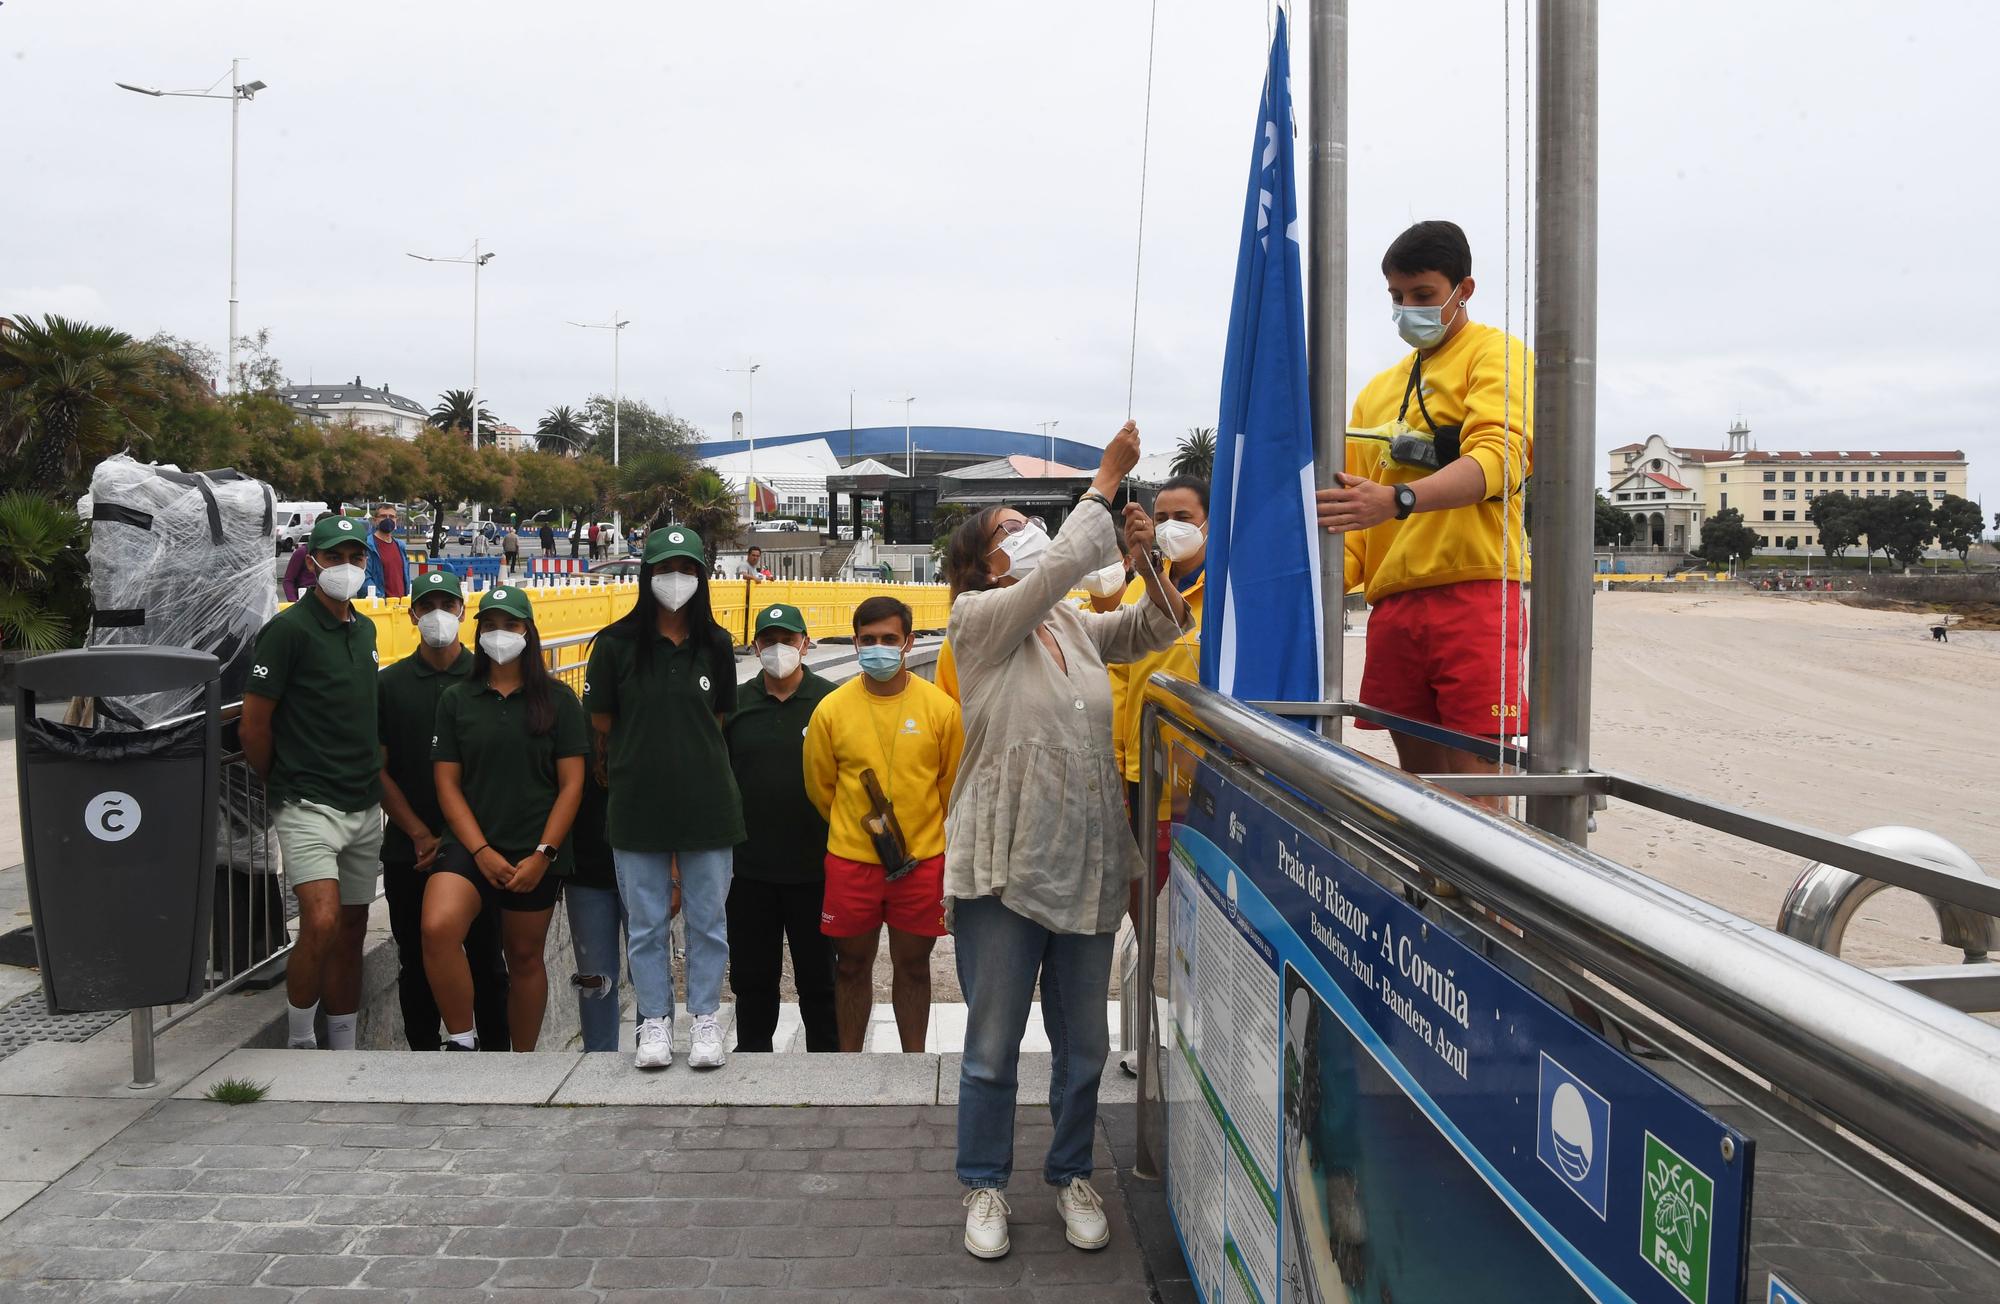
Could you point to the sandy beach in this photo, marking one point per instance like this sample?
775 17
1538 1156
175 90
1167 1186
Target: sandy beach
1833 716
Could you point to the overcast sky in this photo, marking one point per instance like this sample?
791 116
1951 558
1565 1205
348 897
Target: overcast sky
940 199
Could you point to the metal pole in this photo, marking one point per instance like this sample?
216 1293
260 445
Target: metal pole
617 511
1326 316
1565 404
475 360
235 115
143 1075
1152 1122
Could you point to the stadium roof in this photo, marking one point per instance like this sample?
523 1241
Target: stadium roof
318 395
887 442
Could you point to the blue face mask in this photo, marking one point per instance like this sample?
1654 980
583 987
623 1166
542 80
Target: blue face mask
1423 328
881 663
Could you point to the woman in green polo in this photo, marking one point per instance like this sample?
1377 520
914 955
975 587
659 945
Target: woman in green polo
661 680
509 755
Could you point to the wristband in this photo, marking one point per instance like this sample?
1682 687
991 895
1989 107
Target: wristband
484 846
1093 494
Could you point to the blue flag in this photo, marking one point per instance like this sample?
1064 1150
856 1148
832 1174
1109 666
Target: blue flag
1260 627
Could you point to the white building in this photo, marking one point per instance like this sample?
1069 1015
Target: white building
370 407
512 439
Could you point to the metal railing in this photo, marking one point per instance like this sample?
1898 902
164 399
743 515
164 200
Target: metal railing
1768 1018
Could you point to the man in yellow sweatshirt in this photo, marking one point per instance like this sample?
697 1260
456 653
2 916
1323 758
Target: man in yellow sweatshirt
1432 508
900 735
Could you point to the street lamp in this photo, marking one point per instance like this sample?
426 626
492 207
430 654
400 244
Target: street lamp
749 421
1048 433
477 261
239 91
617 329
909 449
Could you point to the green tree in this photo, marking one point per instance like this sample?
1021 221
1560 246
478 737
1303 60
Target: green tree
1614 525
257 371
451 475
947 517
1899 525
1840 520
1195 453
642 428
282 446
1957 522
356 464
71 394
42 588
453 411
548 482
649 485
565 426
710 506
1725 538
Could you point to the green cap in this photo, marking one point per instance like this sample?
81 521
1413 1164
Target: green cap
781 615
332 531
673 541
513 601
437 581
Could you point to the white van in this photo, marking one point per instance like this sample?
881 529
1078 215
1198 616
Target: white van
295 523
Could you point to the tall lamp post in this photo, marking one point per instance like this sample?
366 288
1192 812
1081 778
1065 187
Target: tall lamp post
617 329
1049 433
749 374
909 449
239 91
477 261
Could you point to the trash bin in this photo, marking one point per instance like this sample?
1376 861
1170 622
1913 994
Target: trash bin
119 830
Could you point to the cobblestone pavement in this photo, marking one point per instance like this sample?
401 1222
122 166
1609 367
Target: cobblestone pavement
418 1203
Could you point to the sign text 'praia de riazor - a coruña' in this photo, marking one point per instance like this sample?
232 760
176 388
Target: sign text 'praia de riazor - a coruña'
1596 1151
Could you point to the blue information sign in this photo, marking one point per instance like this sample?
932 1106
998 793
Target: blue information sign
1780 1292
1361 1106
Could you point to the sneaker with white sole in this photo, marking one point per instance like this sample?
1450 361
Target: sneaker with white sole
986 1223
656 1044
1082 1212
705 1045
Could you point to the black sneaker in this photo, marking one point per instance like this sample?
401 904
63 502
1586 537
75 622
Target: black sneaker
449 1044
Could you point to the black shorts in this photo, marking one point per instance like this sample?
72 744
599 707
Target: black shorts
455 859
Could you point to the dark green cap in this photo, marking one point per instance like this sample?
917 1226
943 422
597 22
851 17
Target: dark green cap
437 581
510 599
673 541
332 531
781 615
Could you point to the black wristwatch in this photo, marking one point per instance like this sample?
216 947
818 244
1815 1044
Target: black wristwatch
1093 494
547 851
1406 502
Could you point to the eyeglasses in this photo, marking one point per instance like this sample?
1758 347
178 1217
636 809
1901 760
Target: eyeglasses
1015 527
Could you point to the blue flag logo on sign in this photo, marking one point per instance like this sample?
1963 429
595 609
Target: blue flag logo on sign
1260 626
1781 1292
1573 1134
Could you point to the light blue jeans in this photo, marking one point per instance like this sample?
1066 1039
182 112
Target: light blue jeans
595 915
1000 956
645 881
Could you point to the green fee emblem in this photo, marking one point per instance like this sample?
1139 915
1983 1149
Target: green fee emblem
1675 1219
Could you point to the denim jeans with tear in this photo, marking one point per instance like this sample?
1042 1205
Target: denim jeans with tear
595 919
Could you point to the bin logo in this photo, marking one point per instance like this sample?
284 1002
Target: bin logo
1675 1219
111 816
1573 1134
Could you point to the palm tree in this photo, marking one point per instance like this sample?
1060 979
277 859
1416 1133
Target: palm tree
1195 454
454 412
38 566
710 506
649 485
71 393
563 423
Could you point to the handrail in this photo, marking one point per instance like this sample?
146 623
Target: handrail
1915 1078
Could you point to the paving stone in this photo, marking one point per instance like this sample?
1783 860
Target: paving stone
313 1270
202 1265
429 1271
541 1273
294 1240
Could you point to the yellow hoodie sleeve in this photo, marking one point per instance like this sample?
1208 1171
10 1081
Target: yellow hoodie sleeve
819 762
1496 431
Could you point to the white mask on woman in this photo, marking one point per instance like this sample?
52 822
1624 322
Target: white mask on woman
1024 549
503 645
438 627
673 589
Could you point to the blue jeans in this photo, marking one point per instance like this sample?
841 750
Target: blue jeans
645 881
595 914
1000 955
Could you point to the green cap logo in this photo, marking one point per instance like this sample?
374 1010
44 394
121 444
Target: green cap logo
1675 1219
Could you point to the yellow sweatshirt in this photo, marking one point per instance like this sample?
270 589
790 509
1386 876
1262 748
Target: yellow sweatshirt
911 741
1464 384
1128 682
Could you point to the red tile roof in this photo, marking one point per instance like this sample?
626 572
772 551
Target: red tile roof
1666 481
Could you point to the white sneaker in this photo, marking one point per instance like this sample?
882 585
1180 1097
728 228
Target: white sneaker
986 1223
705 1046
656 1044
302 1045
1083 1215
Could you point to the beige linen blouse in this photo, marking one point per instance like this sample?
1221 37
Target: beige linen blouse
1038 815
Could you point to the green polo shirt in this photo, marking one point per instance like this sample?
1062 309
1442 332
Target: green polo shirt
671 788
767 741
507 774
406 719
321 672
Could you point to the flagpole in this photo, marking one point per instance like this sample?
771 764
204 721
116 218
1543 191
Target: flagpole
1326 309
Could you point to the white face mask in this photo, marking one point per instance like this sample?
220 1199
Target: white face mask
1024 549
438 627
779 659
674 589
1107 582
503 645
1179 540
342 582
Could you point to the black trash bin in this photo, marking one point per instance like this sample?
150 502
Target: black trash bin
119 830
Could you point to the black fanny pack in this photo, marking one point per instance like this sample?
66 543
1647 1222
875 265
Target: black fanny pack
1414 448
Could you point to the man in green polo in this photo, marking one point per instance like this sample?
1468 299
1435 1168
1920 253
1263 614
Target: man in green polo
780 875
408 695
309 727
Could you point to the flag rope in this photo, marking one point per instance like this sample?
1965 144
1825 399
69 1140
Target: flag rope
1139 243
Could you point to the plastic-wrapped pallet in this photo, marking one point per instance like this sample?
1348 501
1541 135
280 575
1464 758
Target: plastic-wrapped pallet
178 559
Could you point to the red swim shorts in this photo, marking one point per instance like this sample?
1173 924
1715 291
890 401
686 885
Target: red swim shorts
1435 656
859 899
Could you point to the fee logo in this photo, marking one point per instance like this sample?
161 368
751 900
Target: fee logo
1573 1134
1676 1217
111 816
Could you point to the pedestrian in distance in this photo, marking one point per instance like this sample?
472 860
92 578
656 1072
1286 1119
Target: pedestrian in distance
1038 859
299 572
509 754
510 547
547 535
779 883
660 684
596 551
881 755
752 565
407 695
388 564
309 728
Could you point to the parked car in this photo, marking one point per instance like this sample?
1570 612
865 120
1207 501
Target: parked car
617 569
294 524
